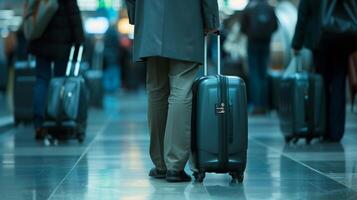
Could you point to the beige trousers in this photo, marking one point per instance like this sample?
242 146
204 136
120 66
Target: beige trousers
169 86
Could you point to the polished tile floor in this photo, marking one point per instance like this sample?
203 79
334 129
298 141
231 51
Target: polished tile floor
113 163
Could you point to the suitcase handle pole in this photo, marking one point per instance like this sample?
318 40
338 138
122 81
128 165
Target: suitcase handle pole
205 60
78 62
299 66
205 64
218 53
69 64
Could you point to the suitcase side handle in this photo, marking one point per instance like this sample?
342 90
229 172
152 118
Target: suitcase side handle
78 61
218 33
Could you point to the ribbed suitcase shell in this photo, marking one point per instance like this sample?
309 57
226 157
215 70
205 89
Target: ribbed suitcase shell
302 106
94 82
220 140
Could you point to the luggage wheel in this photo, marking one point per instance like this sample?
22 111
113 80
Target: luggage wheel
288 139
50 140
80 137
308 140
295 140
237 176
199 176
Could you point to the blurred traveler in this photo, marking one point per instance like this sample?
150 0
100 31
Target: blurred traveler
331 53
171 39
111 59
53 47
258 22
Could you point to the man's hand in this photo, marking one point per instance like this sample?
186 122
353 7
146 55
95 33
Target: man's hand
210 31
296 51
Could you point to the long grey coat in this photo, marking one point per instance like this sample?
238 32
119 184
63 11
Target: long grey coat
171 28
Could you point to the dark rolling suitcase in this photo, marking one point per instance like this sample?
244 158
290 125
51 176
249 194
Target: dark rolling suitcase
66 113
219 125
94 82
302 107
24 81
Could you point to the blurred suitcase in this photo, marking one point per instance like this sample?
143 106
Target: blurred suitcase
94 82
219 125
302 107
24 82
66 113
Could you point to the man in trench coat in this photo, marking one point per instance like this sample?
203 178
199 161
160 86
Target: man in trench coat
169 36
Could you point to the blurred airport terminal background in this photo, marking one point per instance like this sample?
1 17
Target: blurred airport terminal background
113 161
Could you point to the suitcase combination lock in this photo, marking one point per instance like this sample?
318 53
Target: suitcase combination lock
220 108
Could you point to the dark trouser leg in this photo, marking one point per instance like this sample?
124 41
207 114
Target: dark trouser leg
178 127
43 76
158 88
337 96
258 58
332 65
254 81
263 76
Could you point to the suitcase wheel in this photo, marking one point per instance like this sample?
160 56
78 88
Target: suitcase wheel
288 139
295 140
50 140
237 176
80 138
199 176
308 140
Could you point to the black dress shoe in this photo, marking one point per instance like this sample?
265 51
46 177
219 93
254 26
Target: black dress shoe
40 133
159 174
327 139
177 176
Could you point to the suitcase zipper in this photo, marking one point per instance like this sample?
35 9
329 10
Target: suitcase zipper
225 121
221 110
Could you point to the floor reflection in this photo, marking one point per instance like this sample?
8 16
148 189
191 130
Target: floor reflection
113 163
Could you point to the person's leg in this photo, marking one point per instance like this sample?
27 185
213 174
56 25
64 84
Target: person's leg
254 83
263 75
43 76
337 96
158 92
178 128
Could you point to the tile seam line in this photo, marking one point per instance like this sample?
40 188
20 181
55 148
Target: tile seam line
301 163
101 131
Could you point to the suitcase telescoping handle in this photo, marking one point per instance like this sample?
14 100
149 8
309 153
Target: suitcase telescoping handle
299 64
218 33
78 61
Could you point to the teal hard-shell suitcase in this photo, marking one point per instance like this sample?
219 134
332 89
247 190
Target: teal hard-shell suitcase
219 125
